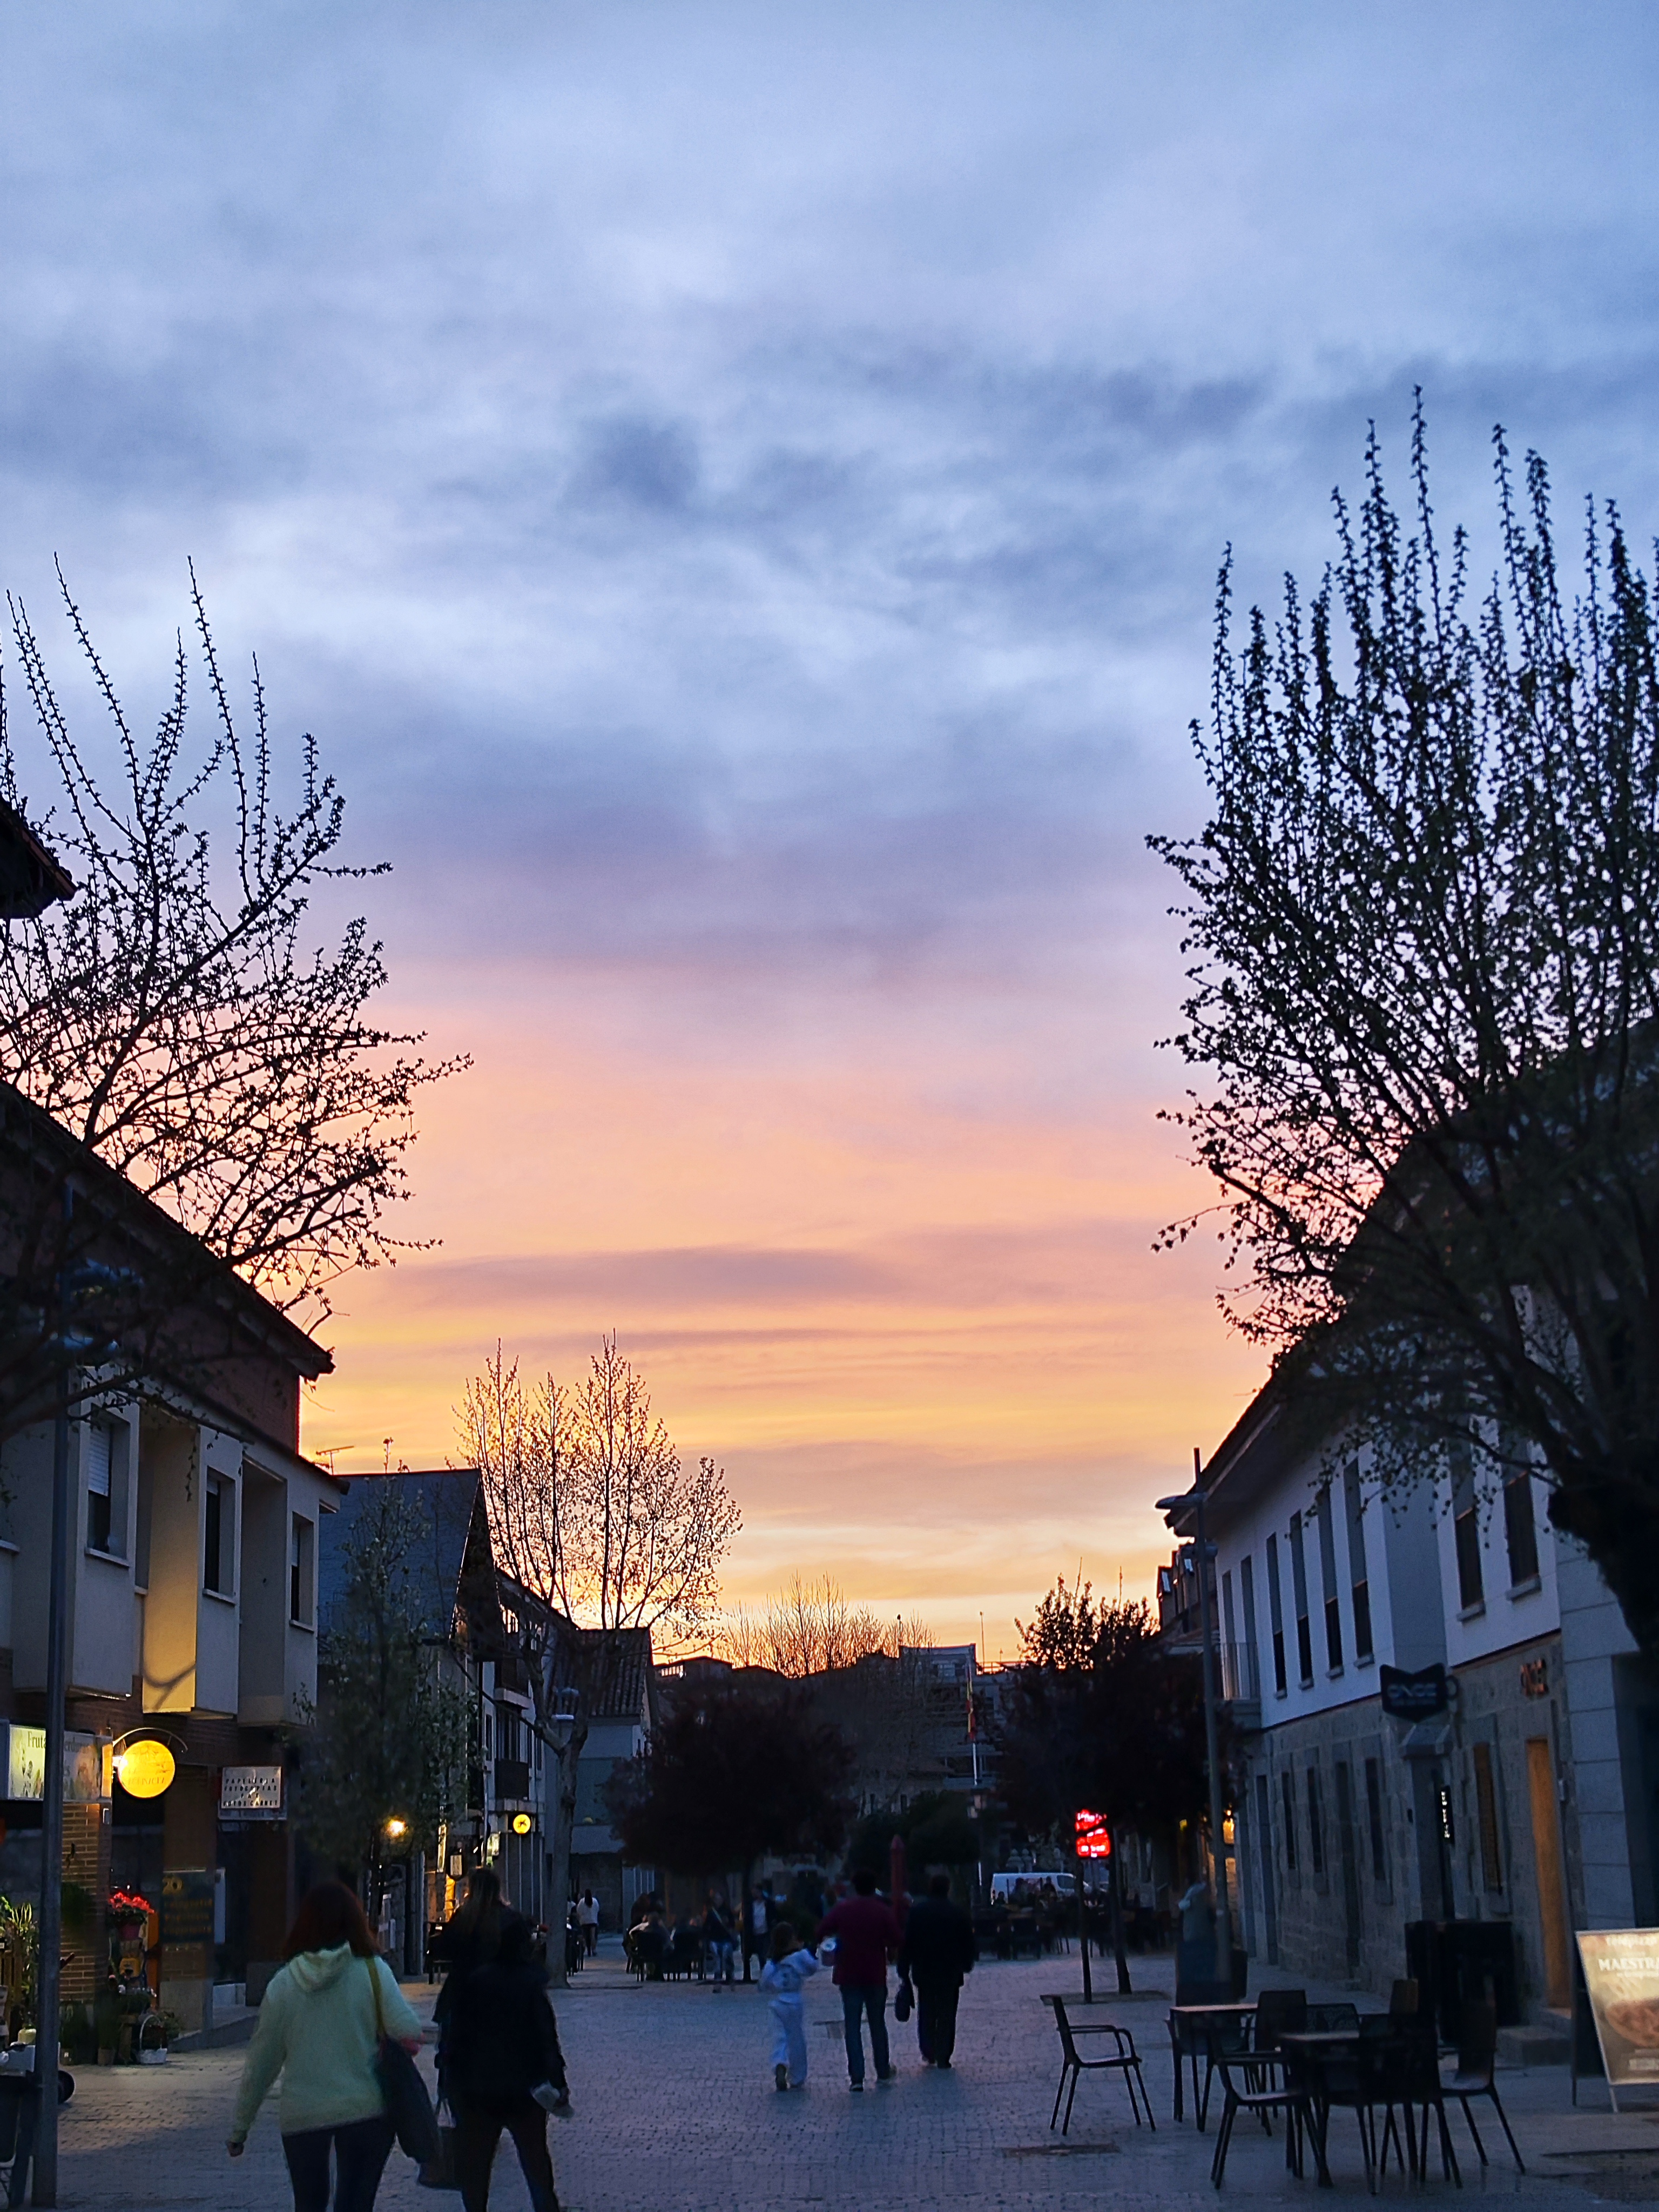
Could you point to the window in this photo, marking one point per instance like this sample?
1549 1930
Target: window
1486 1806
1316 1824
1466 1529
1374 1813
1299 1590
106 1487
302 1570
1327 1580
219 1535
1354 1499
1276 1611
1520 1529
1289 1789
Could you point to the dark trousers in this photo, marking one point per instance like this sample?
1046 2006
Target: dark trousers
858 1998
478 2129
360 2150
935 2019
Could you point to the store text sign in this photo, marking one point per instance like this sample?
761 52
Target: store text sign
250 1793
1621 1974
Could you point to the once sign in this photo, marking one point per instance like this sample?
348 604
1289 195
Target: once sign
1416 1697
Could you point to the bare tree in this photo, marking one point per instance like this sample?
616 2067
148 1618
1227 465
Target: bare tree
593 1514
167 1014
590 1506
812 1628
1423 925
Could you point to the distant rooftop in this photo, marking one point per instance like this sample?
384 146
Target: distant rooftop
30 878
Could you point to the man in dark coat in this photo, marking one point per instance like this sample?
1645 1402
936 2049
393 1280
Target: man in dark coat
937 1952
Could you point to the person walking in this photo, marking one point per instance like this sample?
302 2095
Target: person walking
937 1952
588 1919
866 1935
718 1942
502 2067
785 1973
319 2028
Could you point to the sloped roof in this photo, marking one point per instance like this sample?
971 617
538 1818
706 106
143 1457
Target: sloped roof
612 1668
452 1567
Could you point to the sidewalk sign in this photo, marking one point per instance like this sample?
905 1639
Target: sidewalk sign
1621 1974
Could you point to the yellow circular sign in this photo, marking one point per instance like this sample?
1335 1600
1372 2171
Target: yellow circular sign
146 1768
522 1824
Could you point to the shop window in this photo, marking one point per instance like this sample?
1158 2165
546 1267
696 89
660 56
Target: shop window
1374 1816
1288 1789
1316 1823
1486 1806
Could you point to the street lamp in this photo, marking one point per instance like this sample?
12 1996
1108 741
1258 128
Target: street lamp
397 1830
561 1722
1173 1508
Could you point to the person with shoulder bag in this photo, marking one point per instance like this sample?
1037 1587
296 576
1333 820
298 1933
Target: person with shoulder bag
321 2025
503 2068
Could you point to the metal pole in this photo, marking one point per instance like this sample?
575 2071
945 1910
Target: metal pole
48 2005
1224 1932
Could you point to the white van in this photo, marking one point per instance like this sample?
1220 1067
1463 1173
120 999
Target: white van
1003 1886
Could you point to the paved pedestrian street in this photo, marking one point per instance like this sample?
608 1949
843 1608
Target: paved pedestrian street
677 2113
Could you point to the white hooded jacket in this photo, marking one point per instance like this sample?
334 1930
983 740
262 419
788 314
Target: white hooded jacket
317 2029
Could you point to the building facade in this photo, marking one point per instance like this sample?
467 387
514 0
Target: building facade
1519 1801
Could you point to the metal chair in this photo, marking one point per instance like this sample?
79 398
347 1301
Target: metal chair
1332 2019
1073 2066
1477 2054
1291 2096
1422 2075
1189 2038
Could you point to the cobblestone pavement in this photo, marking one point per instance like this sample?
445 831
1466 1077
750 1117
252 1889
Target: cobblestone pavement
677 2113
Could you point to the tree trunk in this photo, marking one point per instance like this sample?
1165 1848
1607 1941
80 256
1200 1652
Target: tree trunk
1082 1919
1122 1956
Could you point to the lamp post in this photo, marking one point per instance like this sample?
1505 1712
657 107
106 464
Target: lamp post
1172 1508
559 1732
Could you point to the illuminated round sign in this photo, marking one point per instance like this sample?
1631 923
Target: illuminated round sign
146 1768
522 1823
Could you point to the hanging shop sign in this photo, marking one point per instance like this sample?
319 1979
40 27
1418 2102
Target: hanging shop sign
250 1793
523 1824
1621 1974
146 1768
86 1765
1417 1696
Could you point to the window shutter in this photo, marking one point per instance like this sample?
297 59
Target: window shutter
98 1455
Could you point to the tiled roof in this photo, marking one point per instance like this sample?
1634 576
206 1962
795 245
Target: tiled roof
451 1561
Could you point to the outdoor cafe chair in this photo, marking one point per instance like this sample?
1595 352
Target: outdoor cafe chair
1332 2019
1124 2060
1373 2071
1189 2038
1423 2087
1290 2095
1277 2011
1477 2054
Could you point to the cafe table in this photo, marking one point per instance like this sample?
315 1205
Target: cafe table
1191 2024
1313 2046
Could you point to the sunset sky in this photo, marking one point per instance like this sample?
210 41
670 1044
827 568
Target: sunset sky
737 492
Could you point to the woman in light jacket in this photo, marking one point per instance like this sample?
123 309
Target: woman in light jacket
319 2028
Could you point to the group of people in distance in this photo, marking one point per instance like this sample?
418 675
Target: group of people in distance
321 2024
934 1952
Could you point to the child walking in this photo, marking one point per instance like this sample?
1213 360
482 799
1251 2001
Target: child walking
790 1965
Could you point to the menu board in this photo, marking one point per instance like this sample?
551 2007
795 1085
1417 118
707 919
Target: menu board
1621 1974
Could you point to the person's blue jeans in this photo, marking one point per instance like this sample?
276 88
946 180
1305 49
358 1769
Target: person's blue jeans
858 1998
360 2150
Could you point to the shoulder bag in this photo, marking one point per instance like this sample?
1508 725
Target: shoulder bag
408 2105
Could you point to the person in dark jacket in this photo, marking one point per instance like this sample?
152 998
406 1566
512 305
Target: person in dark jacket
503 2068
866 1935
938 1951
